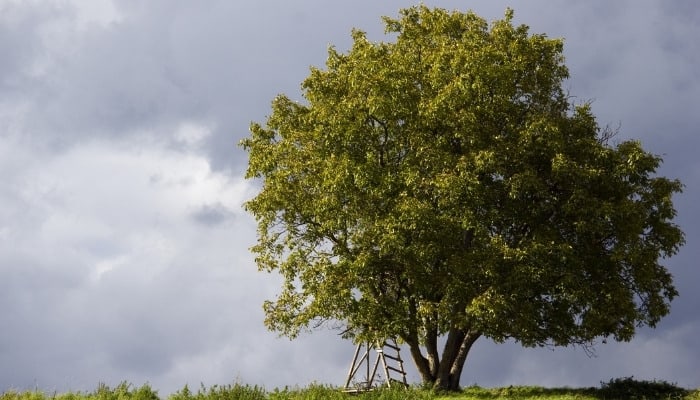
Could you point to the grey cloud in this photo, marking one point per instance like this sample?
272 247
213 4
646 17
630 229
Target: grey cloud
20 42
212 214
107 274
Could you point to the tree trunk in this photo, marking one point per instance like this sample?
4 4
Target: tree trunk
449 355
458 364
449 367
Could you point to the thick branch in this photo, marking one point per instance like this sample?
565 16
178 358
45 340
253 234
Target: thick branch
421 362
431 345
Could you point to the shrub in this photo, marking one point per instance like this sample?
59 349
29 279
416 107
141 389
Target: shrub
630 388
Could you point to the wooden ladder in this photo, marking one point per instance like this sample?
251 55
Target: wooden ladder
386 352
391 350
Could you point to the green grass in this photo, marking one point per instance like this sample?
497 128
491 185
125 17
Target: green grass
616 389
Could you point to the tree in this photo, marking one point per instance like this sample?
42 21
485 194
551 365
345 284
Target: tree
444 185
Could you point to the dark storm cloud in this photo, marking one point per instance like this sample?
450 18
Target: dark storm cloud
124 248
158 63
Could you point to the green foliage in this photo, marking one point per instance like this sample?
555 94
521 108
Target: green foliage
14 395
399 393
321 392
123 391
312 392
522 392
617 389
225 392
444 184
630 388
693 395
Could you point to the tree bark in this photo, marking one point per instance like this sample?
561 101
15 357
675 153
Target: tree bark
443 373
458 364
431 348
444 378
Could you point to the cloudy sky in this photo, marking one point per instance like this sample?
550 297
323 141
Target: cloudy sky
123 245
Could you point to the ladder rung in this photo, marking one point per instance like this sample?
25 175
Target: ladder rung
396 369
395 358
391 346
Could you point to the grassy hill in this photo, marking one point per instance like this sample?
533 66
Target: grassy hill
617 389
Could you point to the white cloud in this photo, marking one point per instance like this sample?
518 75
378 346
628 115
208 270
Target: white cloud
117 220
123 246
98 12
191 133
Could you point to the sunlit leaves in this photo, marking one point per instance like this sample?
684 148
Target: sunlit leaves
443 182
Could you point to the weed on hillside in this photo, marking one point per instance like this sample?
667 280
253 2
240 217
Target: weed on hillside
615 389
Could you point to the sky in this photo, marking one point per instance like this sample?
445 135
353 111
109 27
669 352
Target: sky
123 243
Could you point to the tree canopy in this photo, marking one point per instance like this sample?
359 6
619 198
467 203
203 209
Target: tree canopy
443 183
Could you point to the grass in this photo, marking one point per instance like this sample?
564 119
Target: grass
616 389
